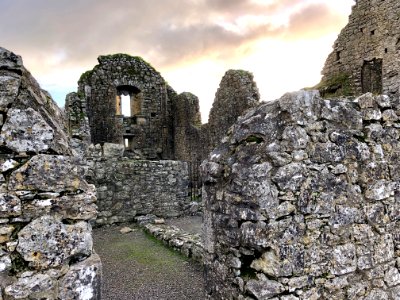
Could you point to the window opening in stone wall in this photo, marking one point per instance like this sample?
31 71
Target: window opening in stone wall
136 104
128 143
386 50
126 105
371 76
118 105
129 101
372 32
337 55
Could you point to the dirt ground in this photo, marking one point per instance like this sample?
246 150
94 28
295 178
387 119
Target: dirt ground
137 266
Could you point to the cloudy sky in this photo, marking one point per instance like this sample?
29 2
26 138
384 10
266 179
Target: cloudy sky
192 43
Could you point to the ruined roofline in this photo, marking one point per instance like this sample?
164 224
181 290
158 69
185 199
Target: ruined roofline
120 58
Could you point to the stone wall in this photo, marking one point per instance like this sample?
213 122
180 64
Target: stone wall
149 127
365 55
302 202
77 123
187 127
46 248
237 92
128 188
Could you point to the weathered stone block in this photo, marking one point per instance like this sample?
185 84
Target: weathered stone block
83 280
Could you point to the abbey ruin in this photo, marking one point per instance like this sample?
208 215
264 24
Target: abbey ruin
300 196
365 55
147 162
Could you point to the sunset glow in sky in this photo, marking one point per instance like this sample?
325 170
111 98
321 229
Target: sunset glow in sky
192 43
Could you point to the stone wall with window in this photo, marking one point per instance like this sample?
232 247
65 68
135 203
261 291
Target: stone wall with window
365 55
147 129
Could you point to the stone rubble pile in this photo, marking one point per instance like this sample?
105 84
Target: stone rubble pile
302 201
46 247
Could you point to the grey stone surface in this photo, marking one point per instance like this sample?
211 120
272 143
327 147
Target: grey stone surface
46 248
365 55
130 188
189 244
320 224
83 280
36 137
237 93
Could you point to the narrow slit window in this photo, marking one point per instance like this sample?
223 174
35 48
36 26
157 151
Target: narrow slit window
337 55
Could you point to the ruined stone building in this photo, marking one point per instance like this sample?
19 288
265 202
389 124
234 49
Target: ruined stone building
144 142
302 197
302 201
366 54
126 101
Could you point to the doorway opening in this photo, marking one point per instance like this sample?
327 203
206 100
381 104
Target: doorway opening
371 76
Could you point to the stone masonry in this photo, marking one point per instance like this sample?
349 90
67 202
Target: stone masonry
127 188
148 128
164 126
237 92
46 248
302 201
365 55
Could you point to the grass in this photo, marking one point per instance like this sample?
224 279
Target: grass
144 249
335 86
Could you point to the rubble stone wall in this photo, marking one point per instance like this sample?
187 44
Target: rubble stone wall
149 127
46 247
237 92
128 188
365 55
187 128
302 201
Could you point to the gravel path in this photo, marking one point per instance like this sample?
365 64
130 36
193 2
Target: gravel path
136 266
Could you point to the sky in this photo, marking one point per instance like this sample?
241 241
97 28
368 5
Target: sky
192 43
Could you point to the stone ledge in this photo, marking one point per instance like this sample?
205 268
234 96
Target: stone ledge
190 245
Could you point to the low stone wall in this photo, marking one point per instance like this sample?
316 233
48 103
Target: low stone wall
190 245
302 202
128 188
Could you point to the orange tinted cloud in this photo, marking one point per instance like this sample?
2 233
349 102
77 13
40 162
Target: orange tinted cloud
165 32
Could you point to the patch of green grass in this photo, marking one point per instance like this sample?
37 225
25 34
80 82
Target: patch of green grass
335 86
146 250
86 75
